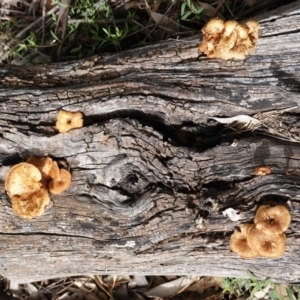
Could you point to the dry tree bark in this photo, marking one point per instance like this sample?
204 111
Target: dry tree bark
152 173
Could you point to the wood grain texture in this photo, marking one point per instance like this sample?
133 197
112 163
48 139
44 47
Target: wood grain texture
151 173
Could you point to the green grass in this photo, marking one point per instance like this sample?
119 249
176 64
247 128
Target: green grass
88 27
251 287
82 28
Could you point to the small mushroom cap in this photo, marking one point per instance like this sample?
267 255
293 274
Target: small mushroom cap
23 178
253 29
229 27
226 43
61 183
67 120
272 219
239 243
262 171
44 164
243 40
30 205
270 246
54 172
213 27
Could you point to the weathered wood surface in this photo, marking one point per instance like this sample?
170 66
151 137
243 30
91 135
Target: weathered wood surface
151 173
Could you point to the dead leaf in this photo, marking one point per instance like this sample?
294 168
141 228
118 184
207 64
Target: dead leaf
204 283
281 288
241 122
134 4
164 21
171 288
262 171
138 281
116 279
209 10
62 20
102 285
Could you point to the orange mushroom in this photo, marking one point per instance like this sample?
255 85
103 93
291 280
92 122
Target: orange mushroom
22 179
60 183
27 183
262 171
253 30
266 236
227 40
67 120
24 187
239 243
272 219
54 172
44 165
270 246
30 205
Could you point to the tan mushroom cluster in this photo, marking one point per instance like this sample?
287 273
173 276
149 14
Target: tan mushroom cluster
228 40
266 236
27 185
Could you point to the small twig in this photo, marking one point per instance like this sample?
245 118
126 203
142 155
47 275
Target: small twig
40 19
218 8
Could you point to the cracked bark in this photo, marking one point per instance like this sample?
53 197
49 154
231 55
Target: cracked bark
151 173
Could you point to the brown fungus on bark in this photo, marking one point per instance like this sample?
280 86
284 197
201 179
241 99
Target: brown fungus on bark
262 171
60 183
67 120
272 219
22 179
30 205
239 243
266 245
228 40
44 165
26 191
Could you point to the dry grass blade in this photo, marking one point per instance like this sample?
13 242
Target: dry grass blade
102 285
164 22
61 26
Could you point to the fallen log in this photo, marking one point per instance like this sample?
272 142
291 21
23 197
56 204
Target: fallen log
152 172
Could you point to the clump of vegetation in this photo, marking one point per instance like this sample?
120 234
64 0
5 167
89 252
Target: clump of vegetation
35 32
253 288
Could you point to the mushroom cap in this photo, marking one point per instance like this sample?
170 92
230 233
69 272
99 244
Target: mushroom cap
226 43
44 164
229 27
243 40
242 32
30 205
23 178
253 29
239 243
272 219
262 171
67 120
270 246
61 183
213 27
54 172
